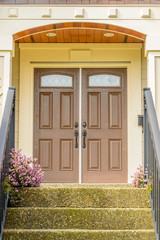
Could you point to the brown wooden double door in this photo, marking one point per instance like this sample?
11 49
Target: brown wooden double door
94 128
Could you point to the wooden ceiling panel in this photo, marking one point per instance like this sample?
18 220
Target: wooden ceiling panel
113 39
130 39
137 40
44 37
21 40
120 38
97 36
53 39
37 38
67 35
60 38
90 36
79 32
104 39
75 35
27 39
82 35
68 25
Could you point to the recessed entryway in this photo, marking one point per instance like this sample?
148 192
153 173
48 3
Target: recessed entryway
80 124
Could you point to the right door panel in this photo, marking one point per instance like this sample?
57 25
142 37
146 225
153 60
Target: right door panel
104 104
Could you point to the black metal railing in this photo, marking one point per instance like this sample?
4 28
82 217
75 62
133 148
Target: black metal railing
152 156
7 132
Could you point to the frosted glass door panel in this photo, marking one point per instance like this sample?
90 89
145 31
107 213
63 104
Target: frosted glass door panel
56 81
104 80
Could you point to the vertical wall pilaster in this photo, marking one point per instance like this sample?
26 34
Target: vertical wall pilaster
157 86
154 79
5 77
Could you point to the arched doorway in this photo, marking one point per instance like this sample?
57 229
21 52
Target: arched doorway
58 107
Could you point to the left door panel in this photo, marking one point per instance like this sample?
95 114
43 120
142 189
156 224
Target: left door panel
55 113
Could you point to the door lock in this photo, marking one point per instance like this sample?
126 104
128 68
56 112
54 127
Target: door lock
76 125
84 124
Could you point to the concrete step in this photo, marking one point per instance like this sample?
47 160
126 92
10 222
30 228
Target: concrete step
81 212
86 196
84 218
70 234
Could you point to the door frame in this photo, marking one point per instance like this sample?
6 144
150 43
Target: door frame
125 56
80 85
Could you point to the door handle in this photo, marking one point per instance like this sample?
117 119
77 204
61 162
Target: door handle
76 134
84 134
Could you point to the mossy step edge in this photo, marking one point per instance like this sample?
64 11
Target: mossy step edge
76 234
45 218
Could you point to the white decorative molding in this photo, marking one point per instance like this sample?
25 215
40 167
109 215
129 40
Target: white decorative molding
79 12
112 12
145 12
12 12
46 13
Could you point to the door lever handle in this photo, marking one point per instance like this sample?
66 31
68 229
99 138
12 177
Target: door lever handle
76 134
84 134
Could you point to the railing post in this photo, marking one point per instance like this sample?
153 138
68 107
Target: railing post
145 129
12 124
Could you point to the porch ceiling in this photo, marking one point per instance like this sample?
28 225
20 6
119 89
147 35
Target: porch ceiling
79 32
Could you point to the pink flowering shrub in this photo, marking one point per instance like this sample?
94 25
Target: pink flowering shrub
23 172
139 178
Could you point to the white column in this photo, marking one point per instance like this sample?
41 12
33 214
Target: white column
154 79
151 73
5 75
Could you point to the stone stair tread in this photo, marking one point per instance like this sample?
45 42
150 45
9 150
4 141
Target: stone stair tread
77 230
85 208
81 212
86 197
84 185
90 218
76 234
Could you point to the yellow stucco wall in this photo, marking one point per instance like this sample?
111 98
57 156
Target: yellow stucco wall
84 56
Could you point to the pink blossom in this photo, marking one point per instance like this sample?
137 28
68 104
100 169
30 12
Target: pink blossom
23 172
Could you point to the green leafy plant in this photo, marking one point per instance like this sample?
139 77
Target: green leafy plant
23 172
